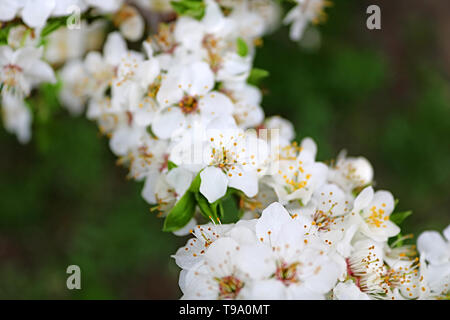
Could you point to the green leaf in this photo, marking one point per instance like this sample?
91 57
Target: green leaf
195 185
256 75
192 8
242 48
399 217
205 207
171 165
52 25
232 211
4 35
181 214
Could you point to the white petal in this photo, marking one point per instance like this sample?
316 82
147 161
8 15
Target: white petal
310 145
41 72
148 71
446 233
213 183
265 290
8 9
167 122
213 19
16 117
133 28
302 292
256 260
201 78
123 140
215 104
272 220
432 246
115 48
247 182
363 199
105 5
180 179
171 89
348 291
220 254
385 200
186 229
36 12
242 233
188 32
148 192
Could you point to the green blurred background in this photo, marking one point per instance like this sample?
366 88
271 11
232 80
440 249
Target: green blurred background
382 94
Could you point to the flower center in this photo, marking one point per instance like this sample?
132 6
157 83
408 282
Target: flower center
229 287
165 164
164 39
322 220
188 104
210 43
287 273
222 158
377 217
10 74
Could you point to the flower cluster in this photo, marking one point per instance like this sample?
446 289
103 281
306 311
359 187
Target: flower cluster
182 109
305 255
329 240
184 116
23 62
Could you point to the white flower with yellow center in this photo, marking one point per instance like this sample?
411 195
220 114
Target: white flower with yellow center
103 68
304 12
366 266
213 39
298 174
187 96
164 189
234 158
216 276
288 262
372 211
328 212
151 156
133 78
23 69
435 250
193 252
350 173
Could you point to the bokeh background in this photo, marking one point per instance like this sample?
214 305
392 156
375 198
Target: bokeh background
383 94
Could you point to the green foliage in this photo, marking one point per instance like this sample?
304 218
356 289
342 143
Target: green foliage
211 211
53 24
399 217
181 213
221 210
171 165
256 76
4 31
192 8
242 48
